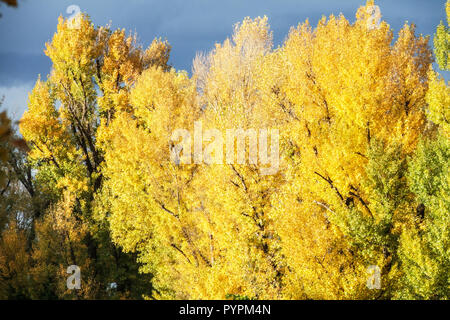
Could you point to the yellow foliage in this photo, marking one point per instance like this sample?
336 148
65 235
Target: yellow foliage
348 100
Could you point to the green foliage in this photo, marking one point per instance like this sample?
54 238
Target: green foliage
425 245
442 42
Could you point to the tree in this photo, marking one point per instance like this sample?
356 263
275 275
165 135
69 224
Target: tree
424 246
139 166
341 89
442 41
64 148
231 98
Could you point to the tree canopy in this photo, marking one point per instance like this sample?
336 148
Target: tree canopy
362 180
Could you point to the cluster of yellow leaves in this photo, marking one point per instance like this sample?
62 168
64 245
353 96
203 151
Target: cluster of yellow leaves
41 125
438 99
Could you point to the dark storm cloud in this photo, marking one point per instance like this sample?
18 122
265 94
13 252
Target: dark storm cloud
17 68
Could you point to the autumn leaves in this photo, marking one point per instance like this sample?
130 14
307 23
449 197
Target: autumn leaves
349 103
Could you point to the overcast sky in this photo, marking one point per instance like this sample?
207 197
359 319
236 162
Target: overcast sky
189 26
